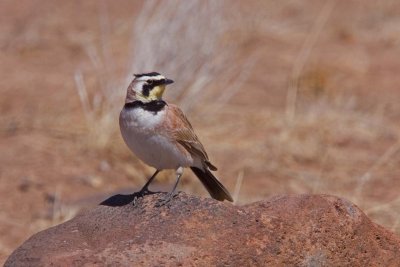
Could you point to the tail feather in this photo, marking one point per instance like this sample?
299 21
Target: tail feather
213 186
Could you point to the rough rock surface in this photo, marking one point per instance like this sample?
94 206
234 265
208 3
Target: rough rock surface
301 230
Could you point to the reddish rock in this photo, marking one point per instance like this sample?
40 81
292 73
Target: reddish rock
304 230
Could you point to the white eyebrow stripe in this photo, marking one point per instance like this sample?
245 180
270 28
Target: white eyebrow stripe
145 78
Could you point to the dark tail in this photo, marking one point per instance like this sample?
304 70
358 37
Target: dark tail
213 186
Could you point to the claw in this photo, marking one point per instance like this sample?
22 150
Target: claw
171 194
140 195
163 201
144 191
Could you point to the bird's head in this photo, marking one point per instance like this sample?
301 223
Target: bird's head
147 87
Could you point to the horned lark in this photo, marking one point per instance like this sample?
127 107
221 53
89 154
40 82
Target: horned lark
162 137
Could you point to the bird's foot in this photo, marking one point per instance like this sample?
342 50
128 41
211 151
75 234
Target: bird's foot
138 195
165 200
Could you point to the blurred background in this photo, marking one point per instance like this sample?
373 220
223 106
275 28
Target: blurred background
288 97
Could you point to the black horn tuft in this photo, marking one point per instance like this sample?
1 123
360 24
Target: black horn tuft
150 74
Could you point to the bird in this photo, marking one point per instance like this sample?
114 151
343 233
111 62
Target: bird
161 136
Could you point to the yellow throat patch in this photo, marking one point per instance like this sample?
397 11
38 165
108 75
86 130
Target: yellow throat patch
157 92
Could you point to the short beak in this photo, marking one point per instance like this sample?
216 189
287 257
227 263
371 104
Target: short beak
168 81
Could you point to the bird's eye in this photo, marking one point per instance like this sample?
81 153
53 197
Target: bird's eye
150 81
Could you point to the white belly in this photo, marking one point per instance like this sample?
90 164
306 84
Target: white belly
138 129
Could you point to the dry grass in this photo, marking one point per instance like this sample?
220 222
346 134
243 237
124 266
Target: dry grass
287 97
321 143
195 56
303 56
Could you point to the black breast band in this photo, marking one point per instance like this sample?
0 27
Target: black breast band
152 106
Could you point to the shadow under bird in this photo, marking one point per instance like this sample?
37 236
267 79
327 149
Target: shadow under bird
160 135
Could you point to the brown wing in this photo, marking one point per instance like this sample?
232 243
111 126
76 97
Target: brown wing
182 131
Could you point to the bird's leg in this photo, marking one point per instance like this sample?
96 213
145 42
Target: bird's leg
171 194
145 188
179 173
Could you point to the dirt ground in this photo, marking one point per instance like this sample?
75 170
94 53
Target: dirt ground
317 112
